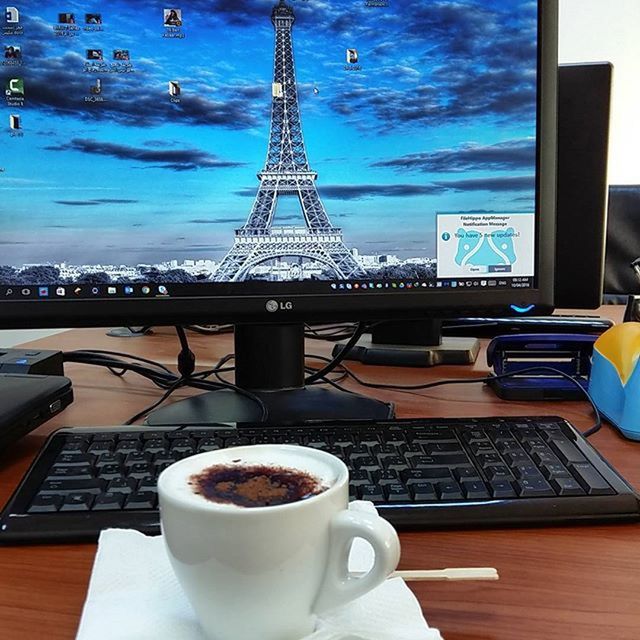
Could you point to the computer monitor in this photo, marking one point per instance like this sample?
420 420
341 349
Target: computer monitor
423 185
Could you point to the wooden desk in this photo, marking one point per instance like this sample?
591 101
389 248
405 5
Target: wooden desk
567 583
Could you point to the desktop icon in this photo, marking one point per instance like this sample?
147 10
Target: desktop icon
128 290
352 56
15 87
172 17
93 18
43 292
121 54
61 291
96 89
14 122
111 291
11 15
174 88
94 54
12 52
66 18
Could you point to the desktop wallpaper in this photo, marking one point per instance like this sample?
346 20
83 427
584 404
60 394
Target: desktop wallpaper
132 143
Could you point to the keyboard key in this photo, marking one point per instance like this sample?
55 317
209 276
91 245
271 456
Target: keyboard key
527 471
122 485
466 473
489 459
74 459
429 473
514 457
590 480
396 493
126 446
110 472
555 471
566 451
545 457
371 492
449 491
140 470
108 502
105 459
369 463
45 504
534 488
148 483
77 502
502 489
74 447
423 491
474 489
141 500
384 476
498 472
71 473
567 487
102 446
65 487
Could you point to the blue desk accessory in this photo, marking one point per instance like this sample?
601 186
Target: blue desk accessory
614 384
517 353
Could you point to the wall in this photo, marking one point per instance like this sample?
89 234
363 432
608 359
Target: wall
609 30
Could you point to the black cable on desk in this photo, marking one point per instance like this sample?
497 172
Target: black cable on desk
430 385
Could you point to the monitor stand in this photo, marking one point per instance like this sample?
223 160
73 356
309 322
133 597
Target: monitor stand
412 343
269 362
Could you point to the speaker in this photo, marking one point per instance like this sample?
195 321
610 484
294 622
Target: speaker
584 98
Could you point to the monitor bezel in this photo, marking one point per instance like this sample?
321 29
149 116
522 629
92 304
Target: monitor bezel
347 305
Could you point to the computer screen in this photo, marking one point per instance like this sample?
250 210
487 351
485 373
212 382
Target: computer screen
310 157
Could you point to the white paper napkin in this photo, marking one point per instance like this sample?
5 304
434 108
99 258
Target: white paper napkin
134 595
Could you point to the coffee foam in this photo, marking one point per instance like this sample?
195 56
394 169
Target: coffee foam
176 479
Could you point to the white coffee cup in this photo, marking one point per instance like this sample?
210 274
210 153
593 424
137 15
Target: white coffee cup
262 573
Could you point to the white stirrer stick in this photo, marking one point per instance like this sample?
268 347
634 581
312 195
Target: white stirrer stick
475 573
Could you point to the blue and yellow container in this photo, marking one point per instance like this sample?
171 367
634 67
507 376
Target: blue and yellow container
614 383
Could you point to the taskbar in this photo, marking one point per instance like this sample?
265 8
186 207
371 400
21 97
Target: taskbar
208 289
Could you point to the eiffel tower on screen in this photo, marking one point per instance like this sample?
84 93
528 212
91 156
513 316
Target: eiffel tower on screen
286 173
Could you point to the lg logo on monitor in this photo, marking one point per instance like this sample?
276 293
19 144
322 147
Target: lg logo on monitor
273 305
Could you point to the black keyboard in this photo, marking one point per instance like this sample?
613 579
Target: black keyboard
429 473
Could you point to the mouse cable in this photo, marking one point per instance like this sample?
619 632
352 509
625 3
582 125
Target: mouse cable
430 385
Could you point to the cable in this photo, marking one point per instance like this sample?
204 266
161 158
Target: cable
360 329
430 385
151 407
163 378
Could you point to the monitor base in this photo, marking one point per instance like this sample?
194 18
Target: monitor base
450 351
411 343
284 406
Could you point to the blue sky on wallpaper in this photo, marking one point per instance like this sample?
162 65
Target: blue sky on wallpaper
441 117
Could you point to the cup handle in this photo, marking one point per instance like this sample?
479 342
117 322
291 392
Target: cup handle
340 586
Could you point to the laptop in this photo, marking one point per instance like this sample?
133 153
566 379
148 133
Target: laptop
27 401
